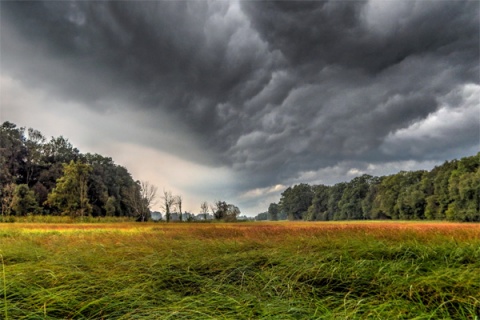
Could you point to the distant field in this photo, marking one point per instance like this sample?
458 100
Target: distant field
352 270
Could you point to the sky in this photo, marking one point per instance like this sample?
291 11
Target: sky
237 100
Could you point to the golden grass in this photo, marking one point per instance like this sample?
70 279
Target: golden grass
262 230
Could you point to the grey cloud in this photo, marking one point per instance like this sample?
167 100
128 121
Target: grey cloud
271 89
359 80
342 115
168 55
341 32
455 127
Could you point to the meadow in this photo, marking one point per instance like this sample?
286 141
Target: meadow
261 270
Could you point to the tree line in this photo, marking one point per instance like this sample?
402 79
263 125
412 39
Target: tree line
51 177
40 176
448 192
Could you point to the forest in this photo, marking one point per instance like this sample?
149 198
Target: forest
52 177
41 177
450 191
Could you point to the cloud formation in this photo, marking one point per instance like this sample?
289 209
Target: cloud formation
271 90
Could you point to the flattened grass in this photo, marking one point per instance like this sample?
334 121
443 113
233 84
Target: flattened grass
372 270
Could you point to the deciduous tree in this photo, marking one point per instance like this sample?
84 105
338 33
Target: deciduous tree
167 205
295 201
273 210
223 211
204 209
178 206
24 201
6 196
70 195
141 198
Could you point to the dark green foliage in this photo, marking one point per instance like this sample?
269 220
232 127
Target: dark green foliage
12 153
450 191
396 195
464 191
369 201
27 158
319 208
220 210
438 203
350 204
263 216
334 196
225 212
273 211
109 180
24 201
70 196
110 206
295 201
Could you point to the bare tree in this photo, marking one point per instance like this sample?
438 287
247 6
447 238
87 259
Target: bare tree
178 205
148 193
213 209
141 198
168 202
133 199
204 209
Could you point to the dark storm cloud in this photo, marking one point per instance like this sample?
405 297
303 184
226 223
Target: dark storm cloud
192 59
361 35
364 71
272 89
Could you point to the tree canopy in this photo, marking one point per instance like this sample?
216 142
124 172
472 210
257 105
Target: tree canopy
44 176
450 191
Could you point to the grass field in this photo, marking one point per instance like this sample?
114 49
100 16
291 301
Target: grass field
358 270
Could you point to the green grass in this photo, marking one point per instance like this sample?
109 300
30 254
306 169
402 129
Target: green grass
241 271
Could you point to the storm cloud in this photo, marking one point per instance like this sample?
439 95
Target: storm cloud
273 91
